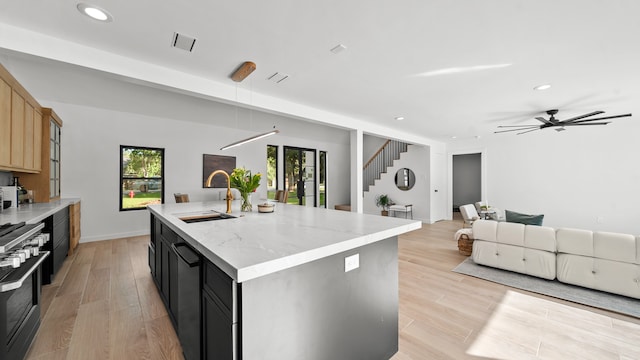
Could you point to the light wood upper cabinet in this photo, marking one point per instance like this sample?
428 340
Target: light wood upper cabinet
20 127
27 146
37 139
17 130
5 124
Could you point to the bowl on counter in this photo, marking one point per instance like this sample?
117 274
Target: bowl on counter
266 208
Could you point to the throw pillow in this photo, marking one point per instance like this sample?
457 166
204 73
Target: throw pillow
512 216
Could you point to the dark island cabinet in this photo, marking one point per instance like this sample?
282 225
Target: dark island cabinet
165 268
199 297
219 316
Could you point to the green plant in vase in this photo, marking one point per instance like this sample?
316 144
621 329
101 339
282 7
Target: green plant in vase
246 183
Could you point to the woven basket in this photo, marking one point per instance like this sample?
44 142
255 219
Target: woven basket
465 245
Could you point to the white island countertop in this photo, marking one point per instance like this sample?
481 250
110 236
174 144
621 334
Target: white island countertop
34 213
257 244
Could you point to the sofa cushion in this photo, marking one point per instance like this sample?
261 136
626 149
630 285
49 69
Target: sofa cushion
515 217
575 241
515 258
540 237
510 233
600 274
485 230
614 246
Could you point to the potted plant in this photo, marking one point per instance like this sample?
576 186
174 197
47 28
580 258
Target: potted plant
384 202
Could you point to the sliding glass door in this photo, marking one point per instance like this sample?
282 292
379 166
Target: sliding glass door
300 175
272 171
322 180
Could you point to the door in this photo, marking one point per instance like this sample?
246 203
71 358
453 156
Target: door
439 178
300 175
466 179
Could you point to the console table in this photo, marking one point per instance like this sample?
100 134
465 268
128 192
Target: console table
406 209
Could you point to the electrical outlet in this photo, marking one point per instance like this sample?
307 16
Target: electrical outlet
351 262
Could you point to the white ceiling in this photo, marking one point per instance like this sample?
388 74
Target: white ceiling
393 66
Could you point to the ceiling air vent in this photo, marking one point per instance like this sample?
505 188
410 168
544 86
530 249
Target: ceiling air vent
183 42
278 77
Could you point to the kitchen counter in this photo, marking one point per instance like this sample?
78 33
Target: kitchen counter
298 283
257 244
34 213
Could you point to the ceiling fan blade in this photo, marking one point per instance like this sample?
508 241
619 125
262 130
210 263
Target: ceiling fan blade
524 132
582 116
590 123
603 118
543 120
502 131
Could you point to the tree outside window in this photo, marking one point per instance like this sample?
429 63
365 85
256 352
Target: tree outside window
272 171
141 177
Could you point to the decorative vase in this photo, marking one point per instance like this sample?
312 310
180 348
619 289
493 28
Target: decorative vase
246 202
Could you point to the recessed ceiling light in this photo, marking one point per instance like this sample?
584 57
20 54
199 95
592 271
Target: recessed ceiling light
454 137
399 118
542 87
95 12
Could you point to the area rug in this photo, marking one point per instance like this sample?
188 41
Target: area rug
554 288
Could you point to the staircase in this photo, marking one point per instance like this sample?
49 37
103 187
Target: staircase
377 165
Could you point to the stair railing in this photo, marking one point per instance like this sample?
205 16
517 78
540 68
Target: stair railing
383 158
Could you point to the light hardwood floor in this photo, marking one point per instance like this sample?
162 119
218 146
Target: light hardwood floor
103 305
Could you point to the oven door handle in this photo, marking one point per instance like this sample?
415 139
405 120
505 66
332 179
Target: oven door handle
8 286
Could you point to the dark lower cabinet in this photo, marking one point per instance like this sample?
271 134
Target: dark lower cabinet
219 313
188 298
57 226
217 330
201 299
167 270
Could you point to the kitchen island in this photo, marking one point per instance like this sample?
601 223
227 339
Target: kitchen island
298 283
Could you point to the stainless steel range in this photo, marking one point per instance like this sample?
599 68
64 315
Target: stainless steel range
21 258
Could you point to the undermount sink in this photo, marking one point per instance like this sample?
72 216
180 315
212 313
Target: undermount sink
201 216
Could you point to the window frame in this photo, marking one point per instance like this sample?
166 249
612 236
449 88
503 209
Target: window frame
322 177
123 179
277 149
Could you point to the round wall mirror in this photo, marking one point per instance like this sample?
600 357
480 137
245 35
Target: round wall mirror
405 179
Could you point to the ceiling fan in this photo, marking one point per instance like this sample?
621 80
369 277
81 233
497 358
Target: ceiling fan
560 124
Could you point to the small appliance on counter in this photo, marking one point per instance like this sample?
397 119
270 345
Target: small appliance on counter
9 193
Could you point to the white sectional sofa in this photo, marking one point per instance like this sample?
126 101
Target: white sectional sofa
526 249
598 260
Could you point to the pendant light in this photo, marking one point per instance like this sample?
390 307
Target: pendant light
240 74
250 139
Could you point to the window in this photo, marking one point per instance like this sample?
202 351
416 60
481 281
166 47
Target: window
272 171
54 165
141 177
300 175
322 181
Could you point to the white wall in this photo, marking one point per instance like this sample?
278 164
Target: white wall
90 162
416 159
584 177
